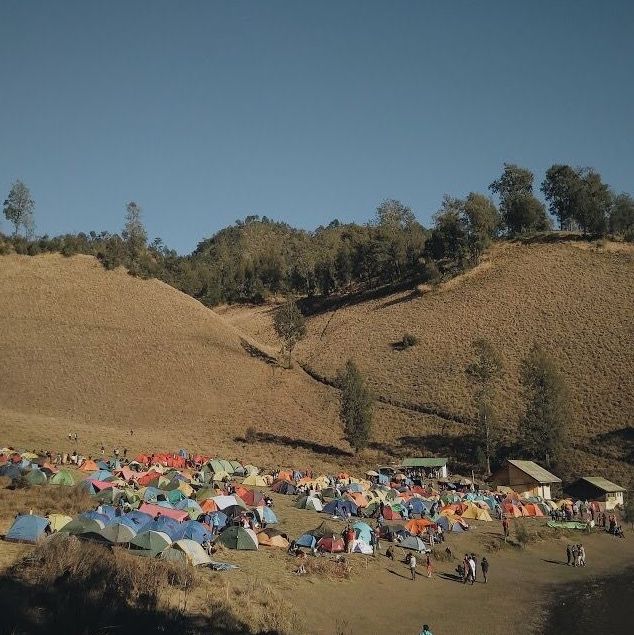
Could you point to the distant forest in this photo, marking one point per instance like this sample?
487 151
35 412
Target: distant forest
257 257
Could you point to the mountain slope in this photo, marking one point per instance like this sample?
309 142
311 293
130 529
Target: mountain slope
104 353
575 299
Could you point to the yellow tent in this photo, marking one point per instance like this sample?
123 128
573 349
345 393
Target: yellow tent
255 480
186 488
58 521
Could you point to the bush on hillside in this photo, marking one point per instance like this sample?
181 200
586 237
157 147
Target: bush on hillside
409 340
251 435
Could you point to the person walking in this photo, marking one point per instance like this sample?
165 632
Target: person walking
429 566
484 565
412 566
472 569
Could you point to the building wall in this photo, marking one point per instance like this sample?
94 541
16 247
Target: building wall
520 482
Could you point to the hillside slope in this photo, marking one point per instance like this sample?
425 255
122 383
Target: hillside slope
575 299
104 353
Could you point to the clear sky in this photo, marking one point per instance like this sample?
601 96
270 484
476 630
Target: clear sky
204 112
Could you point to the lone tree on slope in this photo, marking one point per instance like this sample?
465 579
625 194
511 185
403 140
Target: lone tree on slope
484 371
290 327
18 208
356 406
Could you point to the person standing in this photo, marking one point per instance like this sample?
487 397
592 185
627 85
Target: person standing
426 630
472 569
412 566
377 538
575 555
429 566
505 528
569 554
582 556
484 565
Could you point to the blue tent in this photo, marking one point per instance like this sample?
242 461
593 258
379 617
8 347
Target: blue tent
27 528
338 507
306 540
102 465
267 515
218 519
101 475
110 511
167 525
416 506
188 505
138 518
442 521
363 531
11 470
355 487
126 520
383 479
153 495
194 531
183 453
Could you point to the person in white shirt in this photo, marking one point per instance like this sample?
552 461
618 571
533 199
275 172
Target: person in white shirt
412 566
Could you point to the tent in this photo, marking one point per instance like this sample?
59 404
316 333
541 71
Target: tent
418 526
153 510
273 538
216 519
237 537
81 525
165 525
63 477
414 543
186 551
192 530
118 533
309 502
151 542
57 521
138 518
190 506
341 508
331 544
306 540
266 515
360 546
255 480
35 477
363 531
227 501
359 499
10 470
249 496
284 487
88 466
27 528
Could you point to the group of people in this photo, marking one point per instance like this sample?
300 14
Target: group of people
411 562
468 569
576 555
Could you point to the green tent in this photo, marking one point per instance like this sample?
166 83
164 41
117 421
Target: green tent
63 477
151 542
237 537
82 526
186 551
110 496
35 477
175 495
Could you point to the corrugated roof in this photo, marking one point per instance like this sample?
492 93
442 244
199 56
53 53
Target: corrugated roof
603 483
537 472
422 462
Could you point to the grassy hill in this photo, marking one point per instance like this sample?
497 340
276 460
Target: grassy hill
103 353
576 299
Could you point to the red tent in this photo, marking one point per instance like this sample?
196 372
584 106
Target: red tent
331 544
153 510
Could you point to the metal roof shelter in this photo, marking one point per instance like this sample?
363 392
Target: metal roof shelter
603 484
536 472
423 462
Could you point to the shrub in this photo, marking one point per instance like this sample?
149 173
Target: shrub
251 435
409 340
521 534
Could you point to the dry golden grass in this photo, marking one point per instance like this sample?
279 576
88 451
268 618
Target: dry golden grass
576 299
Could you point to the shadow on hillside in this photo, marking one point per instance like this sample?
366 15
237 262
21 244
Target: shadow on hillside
313 446
66 607
254 351
412 295
315 305
620 443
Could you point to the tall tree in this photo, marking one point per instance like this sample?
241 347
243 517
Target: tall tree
485 370
290 327
521 211
482 220
561 187
18 208
544 425
595 201
393 213
134 231
356 407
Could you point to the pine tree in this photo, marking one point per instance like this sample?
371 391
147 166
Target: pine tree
544 425
134 231
356 407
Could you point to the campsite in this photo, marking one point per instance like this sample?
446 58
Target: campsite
167 507
316 318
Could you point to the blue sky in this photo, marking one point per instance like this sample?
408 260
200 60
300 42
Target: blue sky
204 112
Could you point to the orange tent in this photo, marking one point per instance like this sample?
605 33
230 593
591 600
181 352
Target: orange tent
148 478
88 466
208 505
533 510
512 510
390 514
417 526
359 499
286 475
